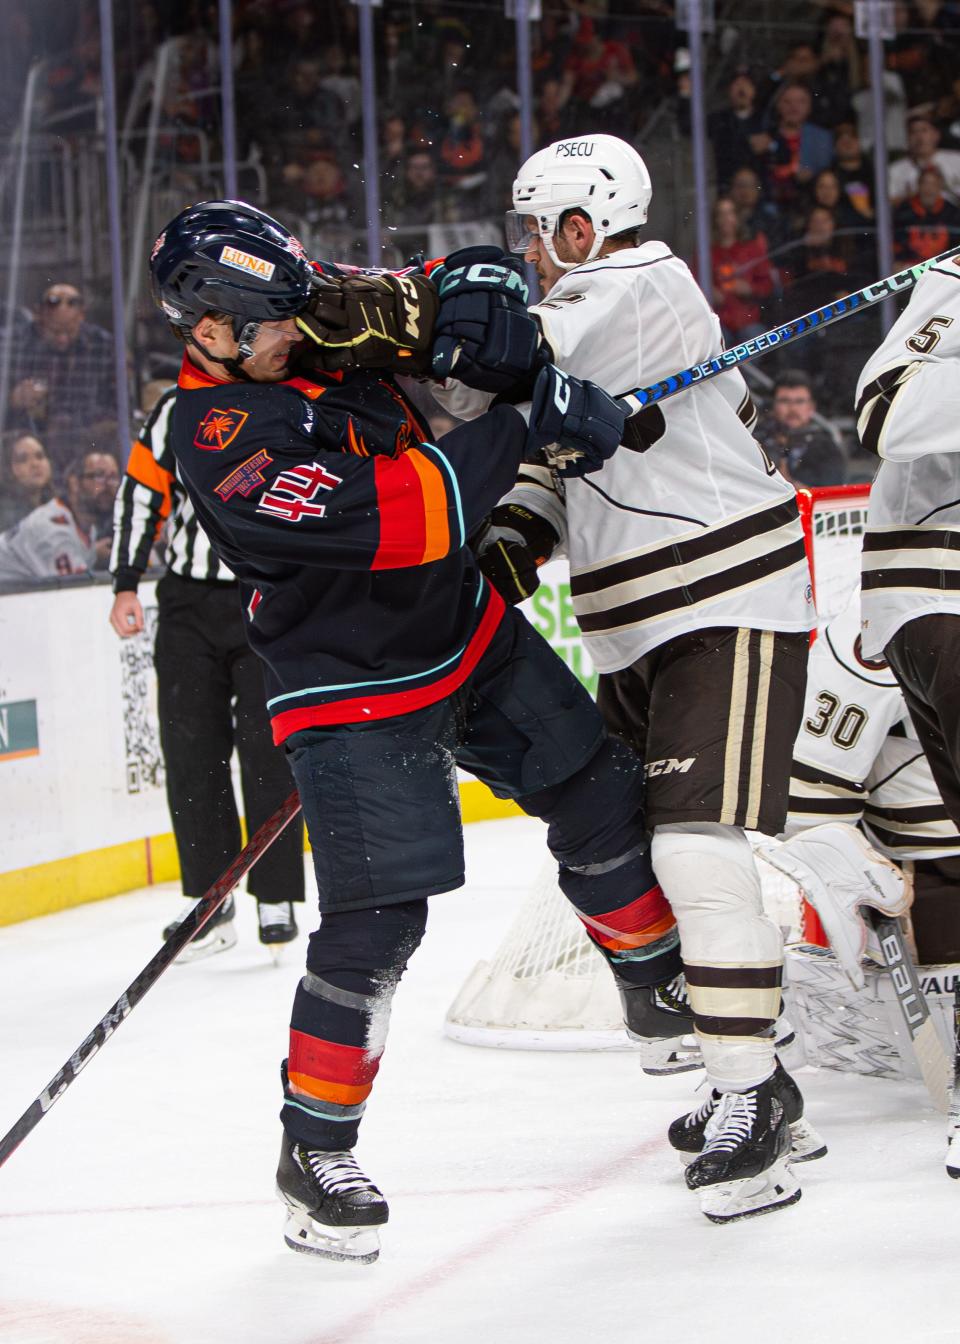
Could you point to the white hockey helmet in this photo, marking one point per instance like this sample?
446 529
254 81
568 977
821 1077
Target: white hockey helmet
599 174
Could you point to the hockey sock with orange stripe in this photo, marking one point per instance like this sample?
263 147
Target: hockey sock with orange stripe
341 1012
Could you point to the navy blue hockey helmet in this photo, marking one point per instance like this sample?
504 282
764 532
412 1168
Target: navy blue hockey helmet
228 257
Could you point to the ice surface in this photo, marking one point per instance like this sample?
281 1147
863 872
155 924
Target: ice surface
534 1198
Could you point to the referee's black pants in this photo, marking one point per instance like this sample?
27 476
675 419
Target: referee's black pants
211 699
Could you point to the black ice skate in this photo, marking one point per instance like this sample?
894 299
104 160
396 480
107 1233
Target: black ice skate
659 1019
686 1134
217 935
277 922
742 1169
334 1210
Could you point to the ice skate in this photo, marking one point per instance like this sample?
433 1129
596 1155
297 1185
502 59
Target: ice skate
838 871
217 935
278 925
333 1209
687 1134
742 1169
659 1019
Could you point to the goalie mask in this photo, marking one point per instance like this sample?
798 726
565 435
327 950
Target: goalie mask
228 257
599 175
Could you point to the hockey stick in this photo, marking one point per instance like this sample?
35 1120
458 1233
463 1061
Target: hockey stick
927 1046
778 336
953 1121
202 912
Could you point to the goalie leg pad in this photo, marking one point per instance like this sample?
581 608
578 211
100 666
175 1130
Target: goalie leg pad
838 871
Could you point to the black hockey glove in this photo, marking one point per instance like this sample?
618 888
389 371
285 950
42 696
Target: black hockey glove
574 425
369 322
485 337
512 548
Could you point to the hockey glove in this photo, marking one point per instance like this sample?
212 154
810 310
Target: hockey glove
485 337
369 322
574 425
511 550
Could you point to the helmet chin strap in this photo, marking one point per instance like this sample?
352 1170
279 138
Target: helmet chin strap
548 241
245 333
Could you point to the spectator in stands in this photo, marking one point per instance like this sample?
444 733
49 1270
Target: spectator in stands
854 241
340 81
26 476
742 274
319 193
921 52
923 140
734 129
556 119
393 147
796 150
413 199
462 154
598 75
62 375
925 223
894 111
803 450
755 212
68 535
854 169
308 120
820 264
839 72
505 153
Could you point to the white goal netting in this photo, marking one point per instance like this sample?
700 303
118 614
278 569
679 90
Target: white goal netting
546 987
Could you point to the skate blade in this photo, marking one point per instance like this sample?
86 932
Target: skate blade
361 1245
806 1145
675 1054
729 1201
224 937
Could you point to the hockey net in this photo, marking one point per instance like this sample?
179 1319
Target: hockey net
546 987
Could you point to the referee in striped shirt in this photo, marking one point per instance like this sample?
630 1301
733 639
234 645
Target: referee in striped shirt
210 695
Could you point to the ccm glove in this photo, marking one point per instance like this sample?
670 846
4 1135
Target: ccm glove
485 337
511 550
574 425
370 322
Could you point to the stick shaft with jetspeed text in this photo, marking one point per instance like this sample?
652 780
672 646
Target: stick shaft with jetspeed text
777 337
201 914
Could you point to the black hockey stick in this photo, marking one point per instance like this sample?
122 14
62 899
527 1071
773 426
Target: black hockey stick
927 1045
202 912
953 1121
770 340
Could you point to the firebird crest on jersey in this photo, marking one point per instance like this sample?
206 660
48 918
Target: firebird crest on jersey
245 479
292 494
219 428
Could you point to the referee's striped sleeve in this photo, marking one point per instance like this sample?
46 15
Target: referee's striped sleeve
144 499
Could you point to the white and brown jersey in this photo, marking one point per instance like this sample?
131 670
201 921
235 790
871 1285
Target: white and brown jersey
688 525
857 758
908 407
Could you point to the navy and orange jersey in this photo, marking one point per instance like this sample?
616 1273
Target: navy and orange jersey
347 530
149 496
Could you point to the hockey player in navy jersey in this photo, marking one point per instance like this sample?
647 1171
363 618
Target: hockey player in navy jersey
388 658
690 585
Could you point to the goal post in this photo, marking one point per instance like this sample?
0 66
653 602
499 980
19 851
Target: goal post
546 986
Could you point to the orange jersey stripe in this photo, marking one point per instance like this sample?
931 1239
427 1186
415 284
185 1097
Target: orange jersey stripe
340 1093
144 468
436 518
624 942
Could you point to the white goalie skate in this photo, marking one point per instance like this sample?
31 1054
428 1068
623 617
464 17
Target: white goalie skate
838 871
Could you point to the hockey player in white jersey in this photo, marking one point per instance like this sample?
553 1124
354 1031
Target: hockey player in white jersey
691 588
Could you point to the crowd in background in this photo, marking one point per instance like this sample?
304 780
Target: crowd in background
790 125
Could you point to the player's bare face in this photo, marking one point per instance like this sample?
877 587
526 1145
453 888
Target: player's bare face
548 273
270 361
